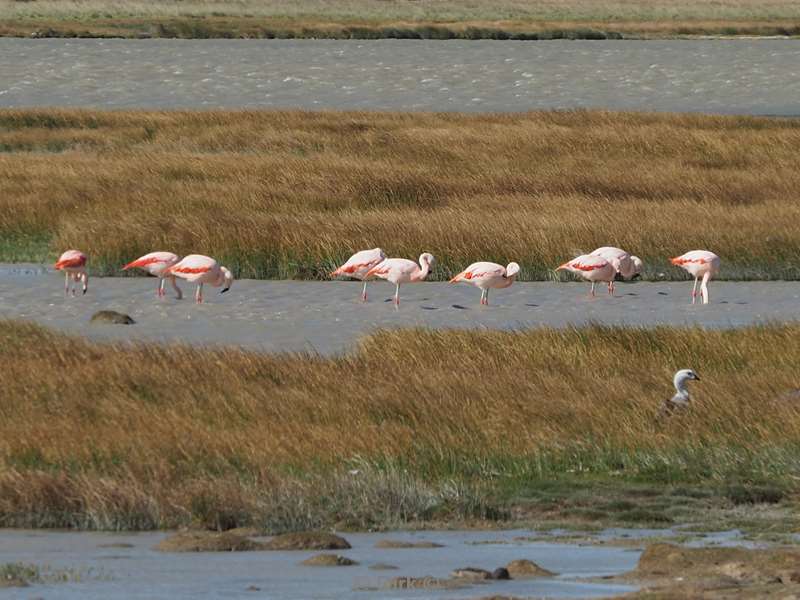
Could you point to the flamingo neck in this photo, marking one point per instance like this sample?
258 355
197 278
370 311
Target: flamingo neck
423 271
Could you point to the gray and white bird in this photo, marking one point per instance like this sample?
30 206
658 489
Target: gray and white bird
681 399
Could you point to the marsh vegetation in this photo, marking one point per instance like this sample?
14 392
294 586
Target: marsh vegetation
416 426
292 194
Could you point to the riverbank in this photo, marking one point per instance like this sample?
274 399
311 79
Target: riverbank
417 428
361 19
289 195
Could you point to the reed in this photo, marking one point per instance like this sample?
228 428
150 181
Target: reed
415 425
291 194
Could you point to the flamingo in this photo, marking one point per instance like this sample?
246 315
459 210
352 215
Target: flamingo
629 266
359 264
487 275
73 263
156 263
681 398
200 269
700 263
594 269
402 270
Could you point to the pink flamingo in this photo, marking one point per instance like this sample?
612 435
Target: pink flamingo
700 263
594 269
629 266
200 269
358 265
487 275
73 263
156 263
402 270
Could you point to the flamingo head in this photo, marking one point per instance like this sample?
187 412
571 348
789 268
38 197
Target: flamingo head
512 270
615 262
637 266
426 258
225 278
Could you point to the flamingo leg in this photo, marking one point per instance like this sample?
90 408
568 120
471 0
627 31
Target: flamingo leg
486 297
66 283
592 292
198 295
74 283
694 290
397 295
160 288
178 292
483 296
85 281
704 288
611 288
364 293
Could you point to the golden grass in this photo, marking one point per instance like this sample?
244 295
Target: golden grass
366 18
103 436
290 194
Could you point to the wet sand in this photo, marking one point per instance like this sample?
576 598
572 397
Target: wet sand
327 317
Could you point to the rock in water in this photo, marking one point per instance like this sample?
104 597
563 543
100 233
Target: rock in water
308 540
112 316
522 568
207 541
328 560
471 573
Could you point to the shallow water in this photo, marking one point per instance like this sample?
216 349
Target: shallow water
327 317
718 76
140 572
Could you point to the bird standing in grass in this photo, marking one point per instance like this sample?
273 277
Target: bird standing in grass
156 263
358 265
629 266
200 269
680 401
594 269
73 263
700 263
488 275
402 270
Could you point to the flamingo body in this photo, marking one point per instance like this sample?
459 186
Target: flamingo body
594 269
358 265
73 263
629 266
200 269
402 270
701 264
156 263
488 275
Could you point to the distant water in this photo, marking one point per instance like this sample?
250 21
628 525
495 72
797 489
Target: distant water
718 76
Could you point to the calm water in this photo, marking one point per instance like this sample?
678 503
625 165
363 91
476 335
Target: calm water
137 571
327 317
721 76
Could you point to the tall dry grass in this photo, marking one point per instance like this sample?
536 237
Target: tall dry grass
290 194
398 18
113 437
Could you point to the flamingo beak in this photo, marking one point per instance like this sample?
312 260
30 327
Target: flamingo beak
225 290
696 378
